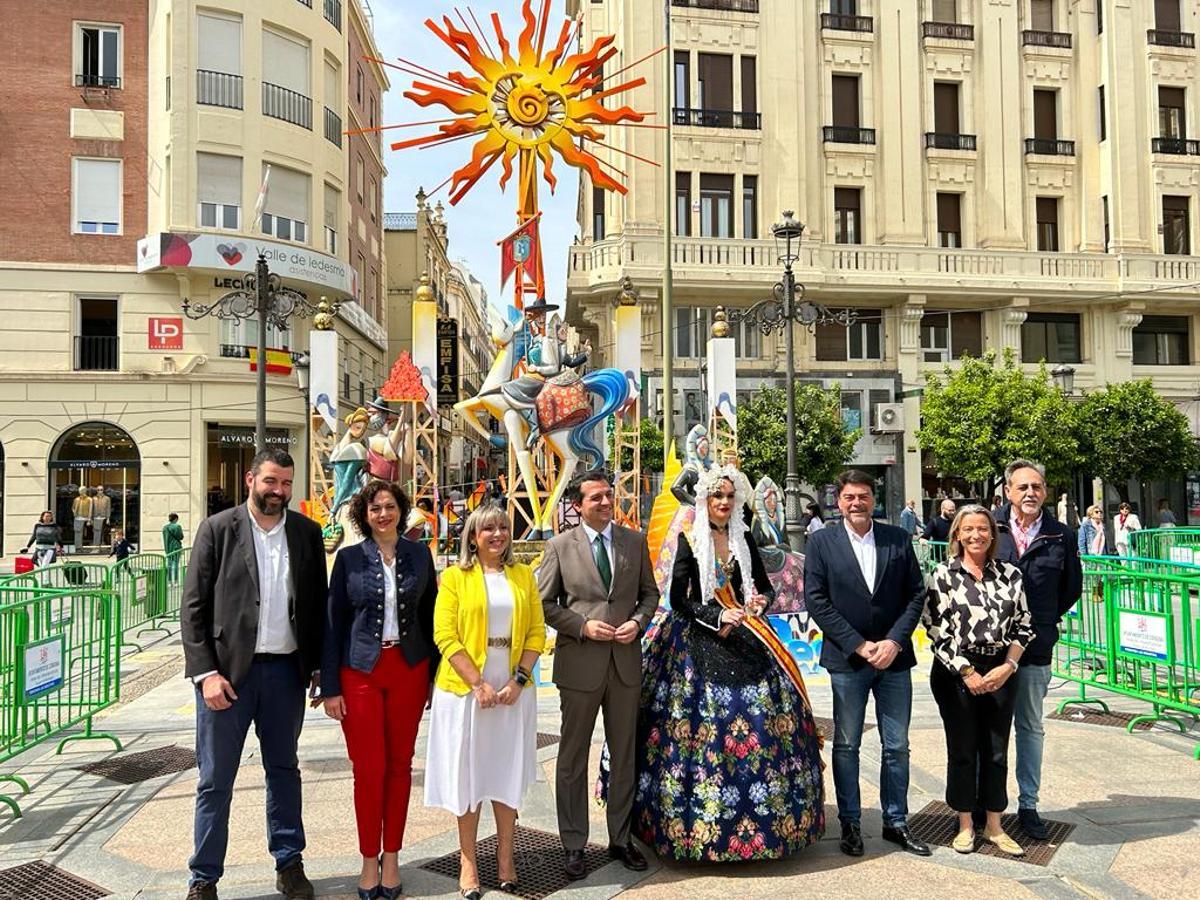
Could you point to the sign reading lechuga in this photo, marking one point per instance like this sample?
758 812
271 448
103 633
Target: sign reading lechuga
230 253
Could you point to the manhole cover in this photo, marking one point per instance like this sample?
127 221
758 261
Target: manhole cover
42 881
130 768
545 739
825 727
937 824
539 858
1088 716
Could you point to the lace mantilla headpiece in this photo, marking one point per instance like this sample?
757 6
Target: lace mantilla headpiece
701 537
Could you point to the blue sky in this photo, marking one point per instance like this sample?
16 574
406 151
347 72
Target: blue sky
485 215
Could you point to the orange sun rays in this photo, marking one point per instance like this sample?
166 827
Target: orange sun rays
537 104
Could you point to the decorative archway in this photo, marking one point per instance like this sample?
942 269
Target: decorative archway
95 484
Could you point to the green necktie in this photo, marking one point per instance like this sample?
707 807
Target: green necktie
603 563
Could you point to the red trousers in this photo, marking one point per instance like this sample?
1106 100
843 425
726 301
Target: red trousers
383 712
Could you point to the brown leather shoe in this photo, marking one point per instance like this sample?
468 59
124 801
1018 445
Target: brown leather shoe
293 883
629 856
574 867
202 890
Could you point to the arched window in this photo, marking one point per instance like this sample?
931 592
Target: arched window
95 485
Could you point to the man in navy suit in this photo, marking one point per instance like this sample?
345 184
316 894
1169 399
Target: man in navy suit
864 588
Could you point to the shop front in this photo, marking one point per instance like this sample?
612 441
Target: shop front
230 452
95 486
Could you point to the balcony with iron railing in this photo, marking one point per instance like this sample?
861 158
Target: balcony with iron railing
333 13
1175 146
219 89
951 31
1049 147
94 79
842 22
717 118
746 6
1059 39
280 103
97 353
1184 39
333 127
944 140
847 134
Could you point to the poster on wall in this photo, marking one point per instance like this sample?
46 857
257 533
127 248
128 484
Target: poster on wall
447 355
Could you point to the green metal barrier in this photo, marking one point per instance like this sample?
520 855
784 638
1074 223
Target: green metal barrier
59 658
1176 544
930 554
1135 633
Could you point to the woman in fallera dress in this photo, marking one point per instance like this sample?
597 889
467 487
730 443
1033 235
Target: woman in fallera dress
729 764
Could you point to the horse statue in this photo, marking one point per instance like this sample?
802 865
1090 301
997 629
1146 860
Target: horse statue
549 402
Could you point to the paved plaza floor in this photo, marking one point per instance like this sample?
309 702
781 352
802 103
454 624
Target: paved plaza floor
1133 799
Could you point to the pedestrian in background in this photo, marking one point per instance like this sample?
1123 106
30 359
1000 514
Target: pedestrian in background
489 629
910 521
252 622
815 522
938 527
1045 551
1166 518
979 625
376 672
864 588
121 549
172 535
46 540
1092 539
1125 524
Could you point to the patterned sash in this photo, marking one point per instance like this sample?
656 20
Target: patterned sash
766 635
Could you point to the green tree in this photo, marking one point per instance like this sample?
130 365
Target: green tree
823 445
978 418
1128 432
652 447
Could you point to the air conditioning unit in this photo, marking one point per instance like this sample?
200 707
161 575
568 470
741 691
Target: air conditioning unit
889 418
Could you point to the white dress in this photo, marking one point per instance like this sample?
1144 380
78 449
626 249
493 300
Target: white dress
477 754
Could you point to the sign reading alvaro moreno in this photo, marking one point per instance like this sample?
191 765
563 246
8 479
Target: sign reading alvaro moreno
229 253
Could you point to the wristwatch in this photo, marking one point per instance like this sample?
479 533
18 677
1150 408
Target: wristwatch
966 672
521 677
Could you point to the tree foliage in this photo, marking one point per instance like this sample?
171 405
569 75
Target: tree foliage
979 417
1128 432
823 446
652 448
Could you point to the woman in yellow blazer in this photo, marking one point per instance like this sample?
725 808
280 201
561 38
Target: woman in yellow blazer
488 626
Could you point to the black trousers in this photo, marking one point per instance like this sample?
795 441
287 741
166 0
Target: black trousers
977 731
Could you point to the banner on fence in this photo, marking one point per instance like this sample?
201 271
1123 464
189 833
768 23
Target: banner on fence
43 667
1145 634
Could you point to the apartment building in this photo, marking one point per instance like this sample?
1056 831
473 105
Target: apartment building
419 260
973 174
143 197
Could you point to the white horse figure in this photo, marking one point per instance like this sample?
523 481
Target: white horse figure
570 445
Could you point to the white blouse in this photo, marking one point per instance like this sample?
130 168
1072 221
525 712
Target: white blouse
391 628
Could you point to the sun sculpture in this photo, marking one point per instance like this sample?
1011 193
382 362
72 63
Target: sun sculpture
525 106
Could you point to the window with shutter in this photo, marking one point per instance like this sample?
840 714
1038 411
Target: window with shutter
96 196
715 72
749 85
1172 122
333 86
831 342
946 119
1166 15
966 335
286 62
333 203
219 44
845 101
945 11
949 220
1045 115
286 212
219 191
1041 15
1047 224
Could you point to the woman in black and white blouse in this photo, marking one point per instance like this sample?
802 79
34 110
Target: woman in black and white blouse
979 625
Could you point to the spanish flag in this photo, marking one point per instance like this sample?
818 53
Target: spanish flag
279 362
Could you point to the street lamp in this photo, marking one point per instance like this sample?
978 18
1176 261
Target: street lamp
263 297
785 307
1064 378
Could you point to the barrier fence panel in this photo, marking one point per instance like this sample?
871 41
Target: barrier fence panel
1176 544
1135 633
58 667
930 554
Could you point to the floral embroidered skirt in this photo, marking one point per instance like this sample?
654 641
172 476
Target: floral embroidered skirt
726 772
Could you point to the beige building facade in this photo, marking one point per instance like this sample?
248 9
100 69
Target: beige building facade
109 385
973 175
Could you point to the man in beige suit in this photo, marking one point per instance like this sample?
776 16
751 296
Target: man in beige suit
599 594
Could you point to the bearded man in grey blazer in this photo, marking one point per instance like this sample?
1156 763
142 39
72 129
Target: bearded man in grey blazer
599 594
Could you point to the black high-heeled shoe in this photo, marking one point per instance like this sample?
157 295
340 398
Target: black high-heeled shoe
370 893
510 887
470 893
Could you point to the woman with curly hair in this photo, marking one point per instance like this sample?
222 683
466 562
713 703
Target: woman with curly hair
729 765
377 671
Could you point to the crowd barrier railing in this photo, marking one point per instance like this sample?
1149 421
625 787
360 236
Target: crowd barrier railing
1135 633
1175 544
59 664
930 554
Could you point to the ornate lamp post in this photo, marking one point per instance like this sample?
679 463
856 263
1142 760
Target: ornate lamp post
785 307
1064 378
265 298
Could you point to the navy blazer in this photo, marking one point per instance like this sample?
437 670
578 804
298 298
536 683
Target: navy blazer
838 600
354 621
